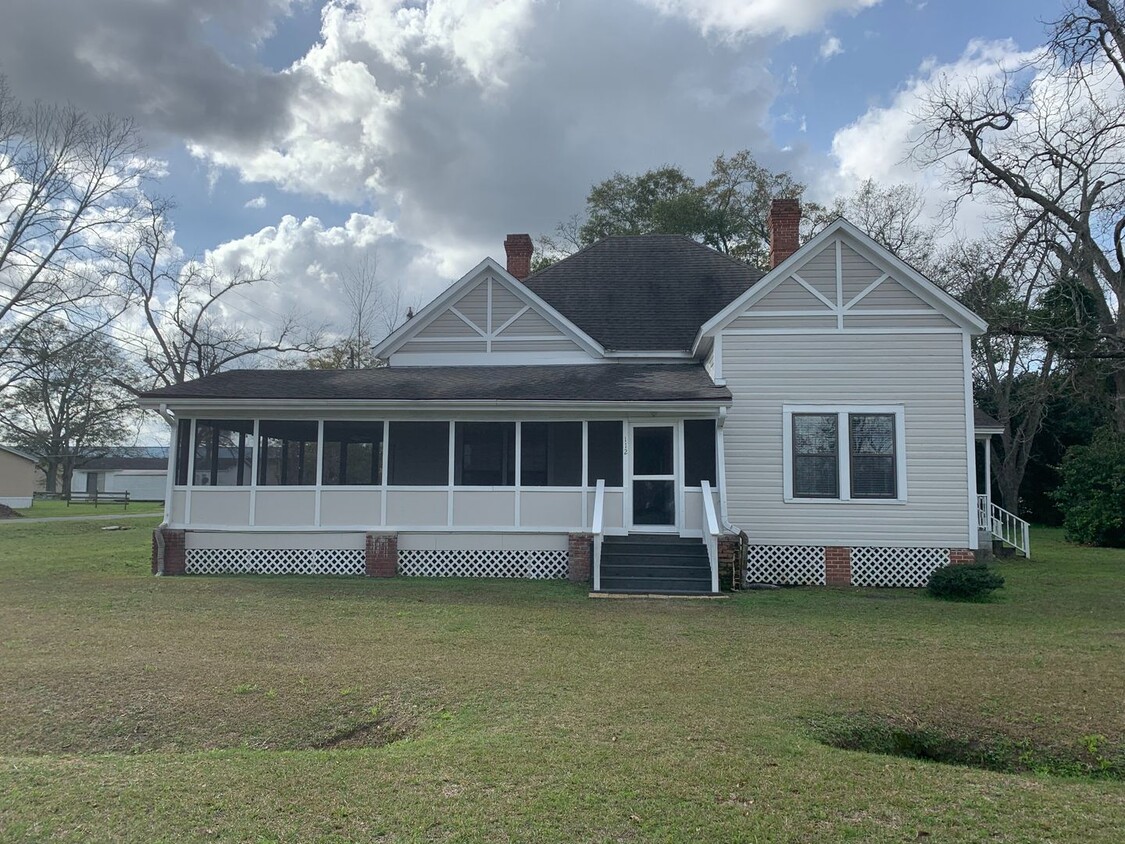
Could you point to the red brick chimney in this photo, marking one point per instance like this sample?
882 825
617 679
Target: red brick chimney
784 224
519 248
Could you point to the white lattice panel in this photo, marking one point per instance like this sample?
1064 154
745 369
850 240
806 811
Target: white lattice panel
274 561
536 565
790 565
896 566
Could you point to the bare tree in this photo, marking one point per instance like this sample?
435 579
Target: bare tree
66 180
67 407
1048 139
188 330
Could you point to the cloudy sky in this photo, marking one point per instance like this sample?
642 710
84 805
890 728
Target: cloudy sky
310 133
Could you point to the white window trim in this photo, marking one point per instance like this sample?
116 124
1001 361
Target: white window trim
843 450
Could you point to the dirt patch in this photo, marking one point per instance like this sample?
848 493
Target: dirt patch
7 512
1093 756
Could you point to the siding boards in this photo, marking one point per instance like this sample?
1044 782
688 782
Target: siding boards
890 294
447 325
820 271
823 319
924 372
505 305
791 296
858 272
474 305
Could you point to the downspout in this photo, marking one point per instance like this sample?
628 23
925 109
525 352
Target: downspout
724 517
158 534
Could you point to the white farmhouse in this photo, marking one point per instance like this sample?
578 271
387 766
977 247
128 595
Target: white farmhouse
642 415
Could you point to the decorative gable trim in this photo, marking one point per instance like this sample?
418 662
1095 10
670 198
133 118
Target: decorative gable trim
488 272
839 232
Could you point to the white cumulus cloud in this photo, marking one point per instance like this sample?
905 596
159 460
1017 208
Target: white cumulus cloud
758 17
257 202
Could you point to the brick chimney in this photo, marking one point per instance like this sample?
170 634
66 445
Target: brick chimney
519 248
784 224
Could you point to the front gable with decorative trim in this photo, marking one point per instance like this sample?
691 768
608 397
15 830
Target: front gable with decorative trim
488 318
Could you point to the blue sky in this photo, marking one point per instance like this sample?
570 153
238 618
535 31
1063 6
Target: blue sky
425 131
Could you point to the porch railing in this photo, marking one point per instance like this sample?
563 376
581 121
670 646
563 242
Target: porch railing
1004 525
598 530
711 534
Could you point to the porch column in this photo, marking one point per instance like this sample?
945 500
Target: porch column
988 474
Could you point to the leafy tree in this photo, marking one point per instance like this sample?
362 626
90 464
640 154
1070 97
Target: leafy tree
1092 493
67 406
727 212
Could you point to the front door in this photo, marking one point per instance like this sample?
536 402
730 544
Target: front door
654 477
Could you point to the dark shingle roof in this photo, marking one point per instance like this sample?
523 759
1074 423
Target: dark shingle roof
644 293
983 420
590 382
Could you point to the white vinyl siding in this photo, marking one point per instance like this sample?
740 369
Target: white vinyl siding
922 372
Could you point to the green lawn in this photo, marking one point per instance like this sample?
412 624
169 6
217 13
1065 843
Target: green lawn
135 708
43 509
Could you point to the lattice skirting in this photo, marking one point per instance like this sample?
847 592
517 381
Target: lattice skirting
341 561
896 566
789 565
536 565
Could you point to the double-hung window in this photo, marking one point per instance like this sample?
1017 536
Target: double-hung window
852 453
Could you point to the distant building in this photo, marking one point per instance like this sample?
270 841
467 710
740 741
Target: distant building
17 477
140 471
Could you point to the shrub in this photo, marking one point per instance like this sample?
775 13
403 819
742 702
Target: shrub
1092 493
964 583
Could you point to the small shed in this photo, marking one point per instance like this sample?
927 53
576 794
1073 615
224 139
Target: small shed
17 477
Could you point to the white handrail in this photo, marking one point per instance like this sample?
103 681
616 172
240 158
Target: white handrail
1004 525
711 537
598 531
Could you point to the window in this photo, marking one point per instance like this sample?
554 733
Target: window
418 454
353 453
183 449
223 452
551 454
845 453
287 453
484 454
872 438
605 448
815 456
699 451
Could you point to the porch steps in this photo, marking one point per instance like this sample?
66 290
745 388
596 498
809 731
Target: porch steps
655 564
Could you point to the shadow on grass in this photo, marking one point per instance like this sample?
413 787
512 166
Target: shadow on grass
975 746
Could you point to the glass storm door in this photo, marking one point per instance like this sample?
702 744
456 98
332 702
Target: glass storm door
654 476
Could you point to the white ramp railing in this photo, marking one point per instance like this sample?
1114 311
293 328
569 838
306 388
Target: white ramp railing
1004 525
711 534
598 530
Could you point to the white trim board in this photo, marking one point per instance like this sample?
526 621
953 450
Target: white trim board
840 231
489 272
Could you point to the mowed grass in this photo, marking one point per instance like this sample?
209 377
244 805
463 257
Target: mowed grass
135 708
45 509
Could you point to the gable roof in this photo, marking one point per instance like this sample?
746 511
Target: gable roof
645 292
865 245
624 382
399 337
985 424
19 453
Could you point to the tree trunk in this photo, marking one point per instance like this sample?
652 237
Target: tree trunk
52 475
1119 400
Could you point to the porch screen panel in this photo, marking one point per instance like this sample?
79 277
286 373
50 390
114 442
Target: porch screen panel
605 447
418 454
223 452
287 455
816 470
872 438
484 454
353 453
699 452
183 449
551 454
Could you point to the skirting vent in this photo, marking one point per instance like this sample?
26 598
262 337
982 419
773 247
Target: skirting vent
534 565
341 561
896 566
789 565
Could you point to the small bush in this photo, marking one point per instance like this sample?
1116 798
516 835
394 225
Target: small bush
1092 493
964 583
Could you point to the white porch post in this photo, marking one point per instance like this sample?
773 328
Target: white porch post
988 474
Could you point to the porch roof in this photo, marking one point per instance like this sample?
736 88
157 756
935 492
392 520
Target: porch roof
611 383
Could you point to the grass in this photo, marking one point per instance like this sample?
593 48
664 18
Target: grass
135 708
44 508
